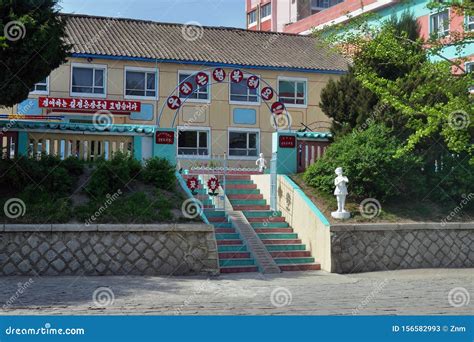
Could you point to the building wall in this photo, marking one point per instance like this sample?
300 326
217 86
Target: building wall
216 115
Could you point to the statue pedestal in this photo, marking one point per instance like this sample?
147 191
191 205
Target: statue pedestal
341 215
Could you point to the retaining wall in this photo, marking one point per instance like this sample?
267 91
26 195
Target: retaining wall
163 249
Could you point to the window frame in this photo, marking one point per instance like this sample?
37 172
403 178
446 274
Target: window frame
294 79
445 33
469 23
194 72
469 67
146 71
41 92
89 66
197 129
268 16
253 23
246 103
243 130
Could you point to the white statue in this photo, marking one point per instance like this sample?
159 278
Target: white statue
261 163
341 192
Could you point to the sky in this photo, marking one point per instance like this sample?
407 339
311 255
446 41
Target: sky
205 12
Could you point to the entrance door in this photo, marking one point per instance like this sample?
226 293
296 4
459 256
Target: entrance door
308 152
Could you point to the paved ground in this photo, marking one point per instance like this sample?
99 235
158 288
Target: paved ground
409 292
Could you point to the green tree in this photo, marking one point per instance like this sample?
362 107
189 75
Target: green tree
32 44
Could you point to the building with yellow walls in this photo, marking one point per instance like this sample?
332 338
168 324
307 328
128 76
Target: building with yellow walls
114 92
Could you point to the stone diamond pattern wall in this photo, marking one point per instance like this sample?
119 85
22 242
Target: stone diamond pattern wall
107 253
365 251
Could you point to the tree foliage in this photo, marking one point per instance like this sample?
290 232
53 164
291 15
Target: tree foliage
31 46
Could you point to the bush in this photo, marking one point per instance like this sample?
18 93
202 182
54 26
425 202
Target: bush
160 173
367 160
112 175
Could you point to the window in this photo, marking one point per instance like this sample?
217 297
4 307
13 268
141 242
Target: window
252 17
140 83
439 23
241 93
470 22
292 91
266 11
42 87
193 142
88 80
243 143
469 67
200 94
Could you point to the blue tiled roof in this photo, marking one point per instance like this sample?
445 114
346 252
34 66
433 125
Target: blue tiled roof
314 135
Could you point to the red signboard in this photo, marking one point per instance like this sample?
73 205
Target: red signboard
202 79
81 104
173 102
253 82
267 93
287 141
278 108
218 74
236 76
165 138
186 88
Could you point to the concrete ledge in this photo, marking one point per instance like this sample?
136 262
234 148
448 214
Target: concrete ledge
173 227
401 226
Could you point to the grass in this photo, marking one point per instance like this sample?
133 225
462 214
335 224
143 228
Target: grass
391 212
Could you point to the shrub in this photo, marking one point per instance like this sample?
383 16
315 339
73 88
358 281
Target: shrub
160 173
367 160
111 175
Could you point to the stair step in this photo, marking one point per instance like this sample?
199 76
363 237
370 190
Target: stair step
266 219
229 242
222 225
248 202
234 255
231 248
269 224
281 242
236 262
241 186
290 254
225 230
291 261
273 230
214 213
236 181
251 207
245 196
234 236
241 191
302 267
262 213
213 219
239 269
275 236
238 177
286 247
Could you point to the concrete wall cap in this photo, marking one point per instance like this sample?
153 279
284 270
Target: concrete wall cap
401 226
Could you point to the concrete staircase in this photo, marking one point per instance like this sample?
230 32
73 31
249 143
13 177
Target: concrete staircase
279 238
